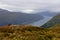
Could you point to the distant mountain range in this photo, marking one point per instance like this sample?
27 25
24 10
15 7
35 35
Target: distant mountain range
7 17
47 13
55 20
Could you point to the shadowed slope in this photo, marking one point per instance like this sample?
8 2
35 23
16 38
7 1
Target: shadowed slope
7 17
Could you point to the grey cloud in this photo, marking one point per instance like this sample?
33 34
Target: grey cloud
31 4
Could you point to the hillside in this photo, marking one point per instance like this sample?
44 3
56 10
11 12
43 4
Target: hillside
28 32
56 26
7 17
55 20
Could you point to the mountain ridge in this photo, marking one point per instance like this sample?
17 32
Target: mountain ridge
53 21
7 17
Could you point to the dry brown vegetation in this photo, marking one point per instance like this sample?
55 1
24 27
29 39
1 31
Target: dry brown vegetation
28 32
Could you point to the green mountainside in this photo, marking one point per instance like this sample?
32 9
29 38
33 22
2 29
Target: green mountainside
55 20
56 26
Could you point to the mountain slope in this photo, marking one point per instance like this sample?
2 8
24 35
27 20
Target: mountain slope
7 17
53 21
47 16
56 26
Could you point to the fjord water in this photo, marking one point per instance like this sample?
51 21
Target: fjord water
41 22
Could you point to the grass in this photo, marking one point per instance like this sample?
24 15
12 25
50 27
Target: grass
28 32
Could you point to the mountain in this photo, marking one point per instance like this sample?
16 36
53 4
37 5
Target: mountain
56 26
55 20
47 16
47 13
8 17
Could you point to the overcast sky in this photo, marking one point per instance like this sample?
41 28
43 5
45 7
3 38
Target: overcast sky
22 5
